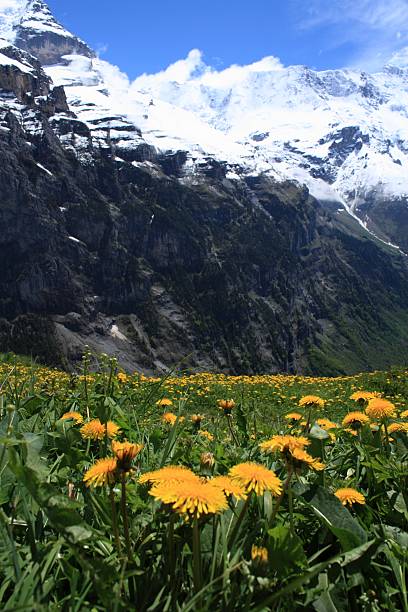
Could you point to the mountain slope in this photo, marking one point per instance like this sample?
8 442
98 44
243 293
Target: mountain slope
159 247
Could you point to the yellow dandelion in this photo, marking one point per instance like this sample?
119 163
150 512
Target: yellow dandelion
284 444
259 555
398 427
125 452
229 486
206 434
169 417
364 396
326 424
255 477
226 405
73 416
196 419
103 472
164 402
355 420
349 496
169 475
191 498
301 458
312 400
380 409
293 416
404 414
95 430
122 377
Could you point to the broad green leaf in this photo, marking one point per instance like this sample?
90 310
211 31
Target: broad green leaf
336 517
285 550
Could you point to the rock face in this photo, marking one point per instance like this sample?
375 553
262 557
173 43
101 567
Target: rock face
167 259
133 259
39 33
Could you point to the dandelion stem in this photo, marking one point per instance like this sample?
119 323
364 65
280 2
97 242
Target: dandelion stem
114 520
290 500
286 485
125 516
196 556
387 438
231 430
132 590
172 558
239 520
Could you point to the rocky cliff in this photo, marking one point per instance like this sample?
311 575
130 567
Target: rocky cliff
108 241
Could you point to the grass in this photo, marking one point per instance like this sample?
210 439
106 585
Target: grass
68 546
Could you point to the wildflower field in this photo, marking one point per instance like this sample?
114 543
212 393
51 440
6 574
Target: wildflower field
202 492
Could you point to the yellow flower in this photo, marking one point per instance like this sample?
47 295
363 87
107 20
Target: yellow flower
326 424
394 427
312 400
380 409
302 459
95 430
255 477
404 414
169 417
122 377
103 472
355 420
259 555
364 396
284 444
349 496
206 434
125 452
226 405
164 402
229 486
293 416
196 419
169 475
191 498
74 416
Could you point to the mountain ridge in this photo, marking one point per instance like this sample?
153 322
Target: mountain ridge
164 255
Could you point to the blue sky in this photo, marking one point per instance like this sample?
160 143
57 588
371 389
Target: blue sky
145 36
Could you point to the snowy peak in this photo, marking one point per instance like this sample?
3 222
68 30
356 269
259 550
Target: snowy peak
31 26
343 133
37 17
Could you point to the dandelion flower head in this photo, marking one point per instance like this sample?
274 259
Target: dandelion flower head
103 472
349 496
191 498
256 477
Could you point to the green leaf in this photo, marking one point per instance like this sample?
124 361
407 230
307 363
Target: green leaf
336 517
78 533
285 550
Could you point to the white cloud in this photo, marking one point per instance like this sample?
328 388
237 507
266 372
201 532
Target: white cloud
179 72
10 4
400 58
376 28
193 67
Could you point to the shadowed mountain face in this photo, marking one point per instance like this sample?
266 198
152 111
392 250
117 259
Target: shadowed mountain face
107 241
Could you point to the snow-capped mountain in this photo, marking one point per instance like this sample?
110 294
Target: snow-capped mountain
154 220
343 133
